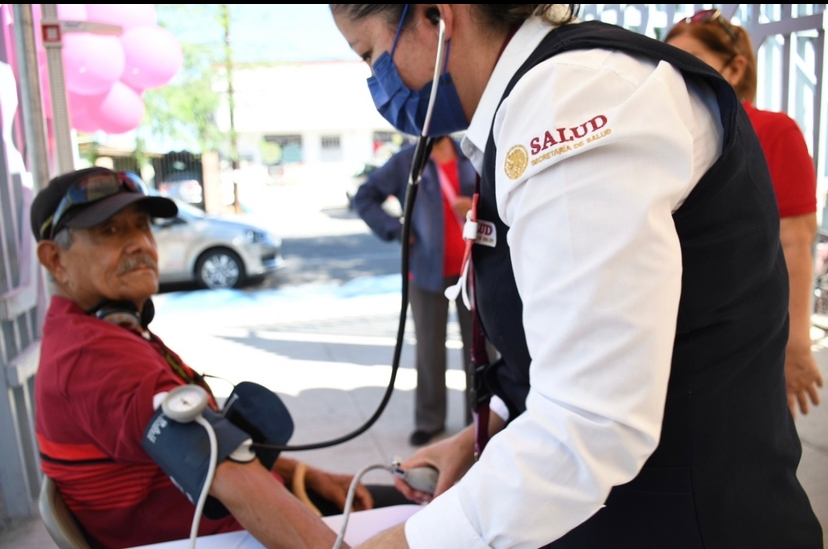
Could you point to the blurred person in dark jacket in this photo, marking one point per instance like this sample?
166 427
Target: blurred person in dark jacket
436 261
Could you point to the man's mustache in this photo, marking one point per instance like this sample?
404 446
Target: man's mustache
138 261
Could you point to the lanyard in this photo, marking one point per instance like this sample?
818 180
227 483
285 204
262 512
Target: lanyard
480 394
448 193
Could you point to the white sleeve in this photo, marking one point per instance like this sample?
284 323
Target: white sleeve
597 263
499 407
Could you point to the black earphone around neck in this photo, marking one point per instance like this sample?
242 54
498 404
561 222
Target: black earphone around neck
124 313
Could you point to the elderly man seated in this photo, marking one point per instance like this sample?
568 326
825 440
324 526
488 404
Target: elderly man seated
103 375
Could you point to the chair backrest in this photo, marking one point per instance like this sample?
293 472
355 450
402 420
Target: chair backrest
57 517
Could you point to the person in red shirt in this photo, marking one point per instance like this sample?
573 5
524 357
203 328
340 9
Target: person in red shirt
728 49
103 374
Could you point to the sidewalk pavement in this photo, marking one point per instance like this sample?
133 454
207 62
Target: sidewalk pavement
327 351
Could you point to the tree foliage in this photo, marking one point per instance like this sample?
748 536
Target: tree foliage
184 110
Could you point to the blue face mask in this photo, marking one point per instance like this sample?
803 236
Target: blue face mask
404 108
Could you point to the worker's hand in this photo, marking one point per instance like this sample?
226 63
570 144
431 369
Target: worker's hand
334 488
452 457
462 205
802 379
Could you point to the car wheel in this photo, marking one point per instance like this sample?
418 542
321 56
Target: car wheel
220 268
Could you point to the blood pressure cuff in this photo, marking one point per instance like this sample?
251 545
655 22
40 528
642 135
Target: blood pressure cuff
260 413
182 450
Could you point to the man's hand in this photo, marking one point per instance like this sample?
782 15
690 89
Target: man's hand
334 488
802 379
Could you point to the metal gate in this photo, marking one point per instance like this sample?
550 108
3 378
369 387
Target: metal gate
22 301
791 58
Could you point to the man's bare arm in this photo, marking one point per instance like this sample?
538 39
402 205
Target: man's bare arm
267 510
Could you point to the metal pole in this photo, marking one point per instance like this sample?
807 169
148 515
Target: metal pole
787 61
231 103
57 85
820 111
34 121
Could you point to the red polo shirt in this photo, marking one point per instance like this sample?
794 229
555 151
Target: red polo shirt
93 399
791 167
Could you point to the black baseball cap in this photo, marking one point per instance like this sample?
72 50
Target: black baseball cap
122 189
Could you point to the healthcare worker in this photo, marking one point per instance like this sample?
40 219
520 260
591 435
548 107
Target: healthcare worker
627 268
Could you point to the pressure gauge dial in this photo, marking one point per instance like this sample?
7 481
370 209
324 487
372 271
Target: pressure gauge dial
184 404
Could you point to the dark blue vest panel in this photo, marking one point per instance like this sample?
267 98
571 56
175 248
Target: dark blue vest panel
724 473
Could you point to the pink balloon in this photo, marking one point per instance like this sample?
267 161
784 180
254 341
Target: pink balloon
126 15
71 12
91 63
79 111
120 110
152 57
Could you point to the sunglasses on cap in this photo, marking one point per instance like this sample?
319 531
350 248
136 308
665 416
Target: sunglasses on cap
93 188
712 15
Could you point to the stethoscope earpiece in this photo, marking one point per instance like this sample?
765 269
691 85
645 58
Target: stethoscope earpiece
433 15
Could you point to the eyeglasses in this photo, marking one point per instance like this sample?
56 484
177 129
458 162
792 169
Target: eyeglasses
93 188
706 16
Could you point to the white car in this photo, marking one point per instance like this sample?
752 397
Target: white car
215 252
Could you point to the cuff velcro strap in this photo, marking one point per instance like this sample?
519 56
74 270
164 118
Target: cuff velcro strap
182 450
